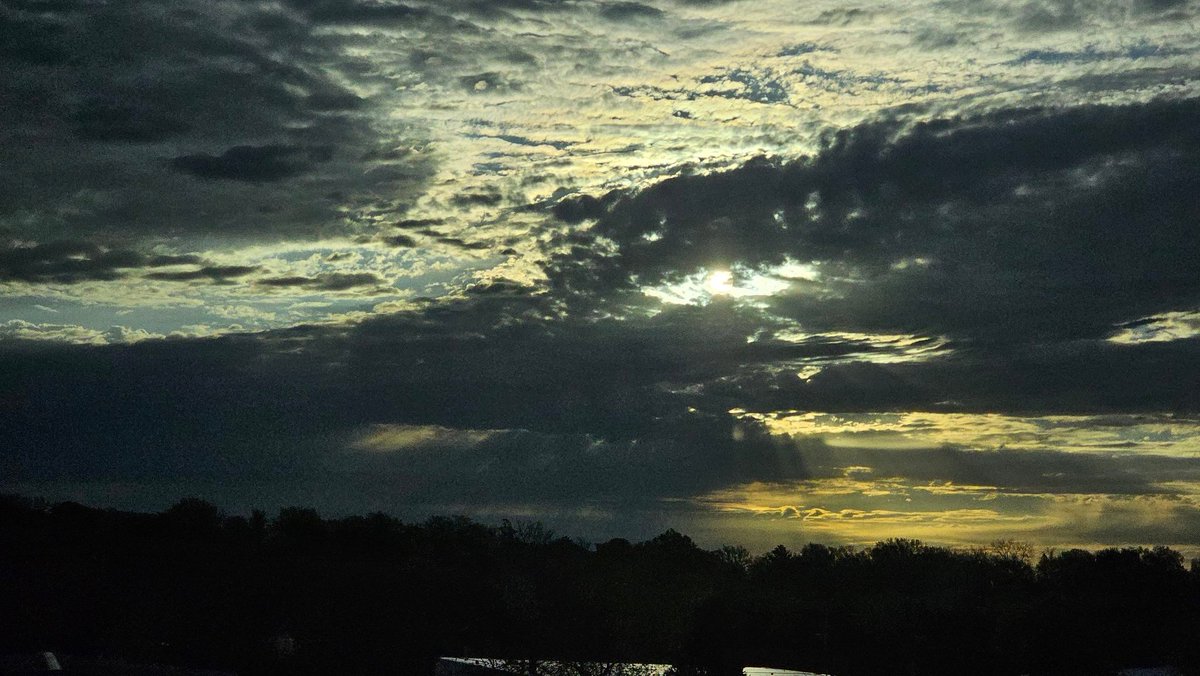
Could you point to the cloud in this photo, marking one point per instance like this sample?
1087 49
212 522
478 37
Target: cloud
516 139
801 48
1077 377
111 121
332 281
218 274
1011 471
609 301
403 241
744 84
501 399
489 82
625 11
406 438
1016 226
1172 9
63 261
1051 15
31 42
334 101
841 16
568 393
486 199
615 409
72 261
247 97
351 11
579 208
1157 328
163 260
493 403
18 330
251 164
459 243
1091 54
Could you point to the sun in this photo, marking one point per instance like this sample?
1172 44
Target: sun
720 283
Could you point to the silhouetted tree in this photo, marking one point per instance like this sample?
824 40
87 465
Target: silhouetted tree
374 595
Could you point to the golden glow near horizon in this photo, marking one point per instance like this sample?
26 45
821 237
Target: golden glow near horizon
1104 434
963 479
864 512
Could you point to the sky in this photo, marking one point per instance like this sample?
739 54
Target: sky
763 271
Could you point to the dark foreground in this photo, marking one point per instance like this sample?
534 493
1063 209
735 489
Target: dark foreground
299 594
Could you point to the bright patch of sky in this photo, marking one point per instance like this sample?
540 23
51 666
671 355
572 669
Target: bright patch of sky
1107 434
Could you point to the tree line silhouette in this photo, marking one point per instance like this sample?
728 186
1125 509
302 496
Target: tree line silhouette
370 594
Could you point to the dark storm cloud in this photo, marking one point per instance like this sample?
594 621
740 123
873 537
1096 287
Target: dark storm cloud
113 121
415 223
624 11
71 261
590 396
353 11
341 281
1100 83
565 375
486 199
461 16
131 102
183 259
401 241
333 281
1016 226
579 208
460 243
65 261
523 467
334 101
252 164
426 15
1075 377
498 398
505 8
516 139
1024 236
31 41
217 274
502 287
